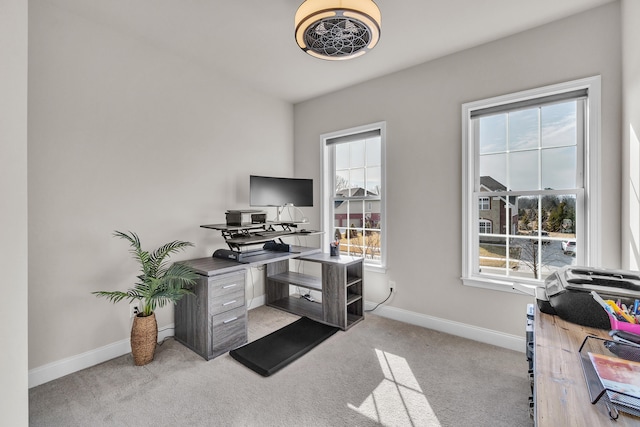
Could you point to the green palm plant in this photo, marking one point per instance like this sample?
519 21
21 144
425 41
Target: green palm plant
158 284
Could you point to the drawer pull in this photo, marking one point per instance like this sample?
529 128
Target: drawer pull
229 302
230 320
230 286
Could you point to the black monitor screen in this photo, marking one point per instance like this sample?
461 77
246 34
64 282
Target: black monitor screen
272 191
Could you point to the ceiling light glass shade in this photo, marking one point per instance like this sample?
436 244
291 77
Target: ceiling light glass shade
337 29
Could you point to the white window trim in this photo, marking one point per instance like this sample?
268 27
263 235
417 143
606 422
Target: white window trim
592 167
326 188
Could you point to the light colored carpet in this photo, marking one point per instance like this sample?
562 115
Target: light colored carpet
380 372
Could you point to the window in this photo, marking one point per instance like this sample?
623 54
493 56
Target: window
485 226
531 161
353 192
484 203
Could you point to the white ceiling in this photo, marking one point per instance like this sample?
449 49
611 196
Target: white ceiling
252 40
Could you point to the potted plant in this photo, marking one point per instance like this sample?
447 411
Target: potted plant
157 285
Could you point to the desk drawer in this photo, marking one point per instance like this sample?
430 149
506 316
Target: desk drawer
226 284
223 303
228 331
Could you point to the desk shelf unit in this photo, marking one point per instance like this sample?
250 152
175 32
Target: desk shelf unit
341 285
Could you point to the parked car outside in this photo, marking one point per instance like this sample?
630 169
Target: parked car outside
544 234
569 247
545 237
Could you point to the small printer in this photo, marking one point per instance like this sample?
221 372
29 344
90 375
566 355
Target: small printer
567 293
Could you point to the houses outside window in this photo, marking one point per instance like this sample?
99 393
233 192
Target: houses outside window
353 191
531 162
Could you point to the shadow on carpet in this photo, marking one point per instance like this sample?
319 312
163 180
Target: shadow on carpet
273 352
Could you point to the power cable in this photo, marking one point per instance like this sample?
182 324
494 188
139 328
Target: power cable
380 303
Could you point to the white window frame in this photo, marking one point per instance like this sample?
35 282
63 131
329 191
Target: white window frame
327 186
590 236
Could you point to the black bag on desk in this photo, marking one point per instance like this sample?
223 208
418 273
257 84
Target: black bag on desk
568 292
278 247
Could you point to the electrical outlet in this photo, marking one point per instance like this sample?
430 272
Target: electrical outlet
134 309
393 286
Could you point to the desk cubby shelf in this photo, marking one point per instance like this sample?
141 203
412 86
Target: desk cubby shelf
341 285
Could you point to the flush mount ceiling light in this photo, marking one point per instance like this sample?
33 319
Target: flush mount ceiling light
337 29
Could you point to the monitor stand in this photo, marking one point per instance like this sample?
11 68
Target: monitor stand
279 210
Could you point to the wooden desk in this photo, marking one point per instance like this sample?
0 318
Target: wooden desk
560 392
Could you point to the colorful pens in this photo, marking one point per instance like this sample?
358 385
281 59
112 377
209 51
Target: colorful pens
612 308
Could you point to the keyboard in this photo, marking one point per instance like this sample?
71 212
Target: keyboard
273 233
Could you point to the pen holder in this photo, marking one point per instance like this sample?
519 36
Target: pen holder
623 326
334 249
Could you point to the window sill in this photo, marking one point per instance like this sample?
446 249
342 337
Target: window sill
512 286
375 268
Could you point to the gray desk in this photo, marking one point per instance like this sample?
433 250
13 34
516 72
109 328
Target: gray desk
214 320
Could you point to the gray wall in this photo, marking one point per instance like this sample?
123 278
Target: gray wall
126 136
13 212
631 134
422 108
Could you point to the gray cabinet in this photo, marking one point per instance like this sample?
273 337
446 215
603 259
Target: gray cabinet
214 320
341 284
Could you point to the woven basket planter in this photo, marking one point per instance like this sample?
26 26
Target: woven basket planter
144 338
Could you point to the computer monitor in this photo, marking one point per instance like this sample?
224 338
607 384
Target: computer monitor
274 191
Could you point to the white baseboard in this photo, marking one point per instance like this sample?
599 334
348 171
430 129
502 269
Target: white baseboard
488 336
69 365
